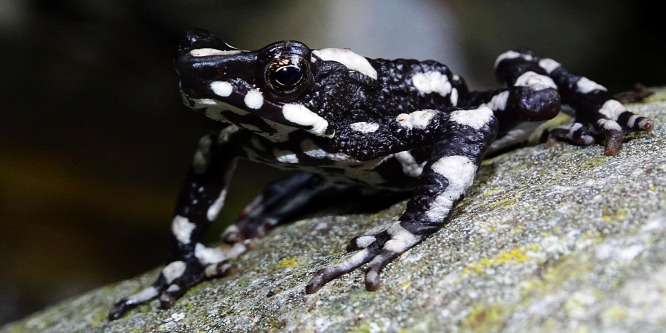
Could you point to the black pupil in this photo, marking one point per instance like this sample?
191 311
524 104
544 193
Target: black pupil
288 76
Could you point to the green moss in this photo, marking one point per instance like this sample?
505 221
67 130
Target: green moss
363 328
512 257
100 317
288 263
486 318
614 216
593 163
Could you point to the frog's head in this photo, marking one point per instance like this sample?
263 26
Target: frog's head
284 82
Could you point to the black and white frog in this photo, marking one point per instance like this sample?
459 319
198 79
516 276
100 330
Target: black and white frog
355 128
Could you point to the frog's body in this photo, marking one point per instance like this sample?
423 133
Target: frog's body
359 128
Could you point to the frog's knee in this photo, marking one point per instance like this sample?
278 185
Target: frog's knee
533 104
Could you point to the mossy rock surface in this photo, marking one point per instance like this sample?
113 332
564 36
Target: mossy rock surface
555 238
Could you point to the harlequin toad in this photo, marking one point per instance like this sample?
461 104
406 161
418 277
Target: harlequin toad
356 128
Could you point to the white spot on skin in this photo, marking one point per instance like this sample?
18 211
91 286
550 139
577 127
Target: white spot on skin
254 99
401 239
350 263
143 295
409 165
310 149
534 81
285 156
632 120
609 124
364 127
173 271
205 52
364 241
348 58
512 55
182 228
574 128
173 288
234 229
208 255
498 102
459 171
587 138
202 102
221 88
549 64
585 85
215 255
214 209
476 118
612 109
299 114
416 119
430 82
454 96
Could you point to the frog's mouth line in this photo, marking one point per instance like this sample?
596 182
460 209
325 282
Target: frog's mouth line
292 115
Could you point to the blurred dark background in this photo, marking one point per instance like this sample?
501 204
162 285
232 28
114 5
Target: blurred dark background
94 140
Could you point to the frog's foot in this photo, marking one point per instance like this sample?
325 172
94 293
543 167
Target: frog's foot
378 250
611 123
177 277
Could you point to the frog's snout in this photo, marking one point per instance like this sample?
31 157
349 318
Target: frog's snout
196 38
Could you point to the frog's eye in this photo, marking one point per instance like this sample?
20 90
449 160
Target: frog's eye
287 75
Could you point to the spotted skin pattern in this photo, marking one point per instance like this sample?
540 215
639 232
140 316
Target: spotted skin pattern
356 129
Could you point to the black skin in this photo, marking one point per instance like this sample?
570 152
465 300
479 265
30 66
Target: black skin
341 163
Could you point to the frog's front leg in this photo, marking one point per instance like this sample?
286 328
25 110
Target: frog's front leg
457 152
199 203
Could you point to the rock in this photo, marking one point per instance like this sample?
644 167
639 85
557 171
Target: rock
556 238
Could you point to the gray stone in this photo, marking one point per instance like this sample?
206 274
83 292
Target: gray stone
557 238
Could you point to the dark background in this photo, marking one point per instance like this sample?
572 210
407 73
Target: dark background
94 140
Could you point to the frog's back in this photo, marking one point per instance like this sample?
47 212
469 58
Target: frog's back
409 85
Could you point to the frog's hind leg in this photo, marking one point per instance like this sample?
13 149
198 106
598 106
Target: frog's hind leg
455 155
530 98
300 195
537 86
